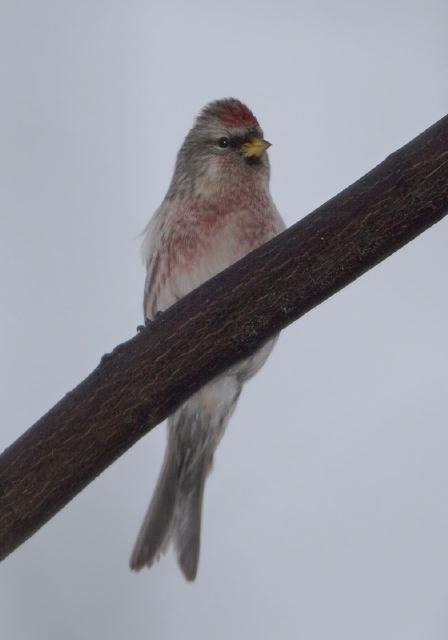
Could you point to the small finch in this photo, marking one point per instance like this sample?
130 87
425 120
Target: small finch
218 208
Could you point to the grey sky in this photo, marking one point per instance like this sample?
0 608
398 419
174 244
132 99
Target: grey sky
326 514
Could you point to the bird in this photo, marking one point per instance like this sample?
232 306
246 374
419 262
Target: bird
217 209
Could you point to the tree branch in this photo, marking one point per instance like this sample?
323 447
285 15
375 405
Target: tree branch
226 319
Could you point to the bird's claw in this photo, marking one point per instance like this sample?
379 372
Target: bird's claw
148 322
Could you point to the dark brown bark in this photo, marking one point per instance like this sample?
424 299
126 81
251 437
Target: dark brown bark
146 378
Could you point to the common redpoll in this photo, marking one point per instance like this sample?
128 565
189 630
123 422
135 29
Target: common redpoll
217 209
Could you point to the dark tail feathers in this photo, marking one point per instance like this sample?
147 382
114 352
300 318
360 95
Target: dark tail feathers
174 512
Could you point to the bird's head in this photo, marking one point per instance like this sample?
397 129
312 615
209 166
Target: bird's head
225 145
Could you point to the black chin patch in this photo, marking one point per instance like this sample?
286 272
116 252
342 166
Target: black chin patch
253 161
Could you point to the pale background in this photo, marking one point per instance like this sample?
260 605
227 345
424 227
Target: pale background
326 515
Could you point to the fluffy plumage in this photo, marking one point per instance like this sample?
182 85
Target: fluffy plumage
217 209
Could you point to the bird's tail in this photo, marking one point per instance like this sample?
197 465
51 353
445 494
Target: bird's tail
156 528
174 513
187 530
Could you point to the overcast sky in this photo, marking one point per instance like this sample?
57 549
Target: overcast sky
338 525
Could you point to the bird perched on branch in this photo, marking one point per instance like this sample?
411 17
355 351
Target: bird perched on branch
218 208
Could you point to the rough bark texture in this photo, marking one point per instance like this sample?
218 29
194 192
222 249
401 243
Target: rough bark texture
146 378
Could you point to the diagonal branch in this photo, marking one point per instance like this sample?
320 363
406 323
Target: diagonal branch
226 319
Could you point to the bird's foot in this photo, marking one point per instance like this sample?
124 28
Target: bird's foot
148 322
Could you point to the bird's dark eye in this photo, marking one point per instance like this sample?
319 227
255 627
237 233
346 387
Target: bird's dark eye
223 142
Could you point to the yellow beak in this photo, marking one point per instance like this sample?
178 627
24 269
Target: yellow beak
255 147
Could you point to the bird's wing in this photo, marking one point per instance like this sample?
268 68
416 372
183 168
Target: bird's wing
151 242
